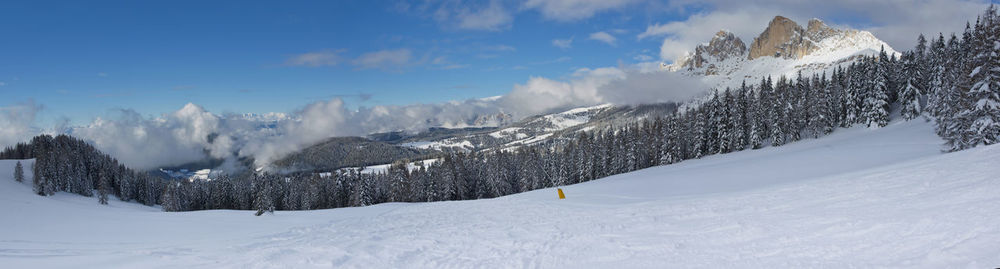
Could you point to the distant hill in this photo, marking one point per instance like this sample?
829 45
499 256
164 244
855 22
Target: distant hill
341 152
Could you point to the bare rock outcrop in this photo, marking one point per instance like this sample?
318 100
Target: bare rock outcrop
724 45
786 39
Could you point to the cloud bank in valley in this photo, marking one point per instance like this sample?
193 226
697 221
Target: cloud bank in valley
192 133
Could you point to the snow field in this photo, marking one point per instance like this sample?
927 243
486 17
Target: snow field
884 198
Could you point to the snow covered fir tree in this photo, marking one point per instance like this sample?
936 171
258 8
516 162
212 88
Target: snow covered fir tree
19 172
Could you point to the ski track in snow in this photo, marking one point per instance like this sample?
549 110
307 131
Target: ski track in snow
883 198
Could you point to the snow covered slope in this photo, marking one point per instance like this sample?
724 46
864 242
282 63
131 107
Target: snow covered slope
858 198
544 128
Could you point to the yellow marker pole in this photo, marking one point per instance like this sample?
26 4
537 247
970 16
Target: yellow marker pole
561 194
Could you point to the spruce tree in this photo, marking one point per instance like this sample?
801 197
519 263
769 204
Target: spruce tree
910 96
104 187
981 119
876 104
18 172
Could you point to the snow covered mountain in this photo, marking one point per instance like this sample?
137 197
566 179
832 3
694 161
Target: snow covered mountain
535 129
783 48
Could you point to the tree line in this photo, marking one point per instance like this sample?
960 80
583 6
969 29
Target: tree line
67 164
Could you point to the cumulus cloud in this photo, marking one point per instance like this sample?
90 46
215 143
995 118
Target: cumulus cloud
176 138
604 37
318 120
17 122
573 10
682 36
316 59
563 43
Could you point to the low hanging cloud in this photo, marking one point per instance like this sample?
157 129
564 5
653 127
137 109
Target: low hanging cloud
173 139
17 122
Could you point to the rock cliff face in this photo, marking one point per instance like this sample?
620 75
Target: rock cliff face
817 30
783 38
724 45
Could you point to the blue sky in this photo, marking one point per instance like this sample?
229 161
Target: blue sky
81 58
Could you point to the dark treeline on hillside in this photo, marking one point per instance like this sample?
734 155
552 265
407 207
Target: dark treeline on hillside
64 163
340 152
953 81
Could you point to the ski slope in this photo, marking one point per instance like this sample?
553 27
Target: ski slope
859 198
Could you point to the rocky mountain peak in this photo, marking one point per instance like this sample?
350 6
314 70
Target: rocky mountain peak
816 30
724 45
785 39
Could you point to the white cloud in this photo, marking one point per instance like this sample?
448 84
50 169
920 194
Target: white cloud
172 139
683 36
644 86
636 84
500 47
3 83
563 43
384 59
643 58
573 10
102 74
442 62
604 37
317 121
316 59
493 17
17 123
562 59
461 14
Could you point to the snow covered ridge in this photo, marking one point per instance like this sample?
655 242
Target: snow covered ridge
891 200
783 48
528 131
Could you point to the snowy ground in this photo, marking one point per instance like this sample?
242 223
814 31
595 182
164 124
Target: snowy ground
856 199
